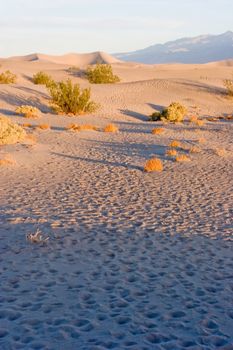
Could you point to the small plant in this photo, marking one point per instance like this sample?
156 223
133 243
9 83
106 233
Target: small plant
221 152
229 86
111 128
171 152
183 158
7 160
194 149
76 127
175 144
157 131
153 164
175 112
7 77
26 125
36 237
201 140
42 78
10 133
70 99
43 127
28 111
101 74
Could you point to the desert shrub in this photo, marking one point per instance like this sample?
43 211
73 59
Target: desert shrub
101 74
183 158
27 111
76 127
175 112
43 127
171 153
175 144
157 131
194 149
111 128
70 99
153 164
229 86
7 77
42 78
10 133
7 160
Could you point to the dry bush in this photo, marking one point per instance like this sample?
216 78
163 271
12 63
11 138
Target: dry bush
157 131
10 133
221 152
171 152
7 78
28 111
229 86
194 149
111 128
7 160
37 237
183 158
201 140
26 125
175 112
101 74
42 78
76 127
153 164
175 144
70 99
43 126
193 119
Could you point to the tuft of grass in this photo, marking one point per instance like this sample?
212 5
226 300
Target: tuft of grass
229 86
193 119
201 140
183 158
175 144
26 125
70 99
157 131
171 152
7 77
101 74
42 78
194 149
10 133
76 127
7 160
28 111
221 152
43 126
153 164
111 128
36 237
175 112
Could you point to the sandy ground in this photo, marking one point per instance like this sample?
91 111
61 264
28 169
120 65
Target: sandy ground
134 260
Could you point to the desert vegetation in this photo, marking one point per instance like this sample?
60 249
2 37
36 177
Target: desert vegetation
68 98
28 111
101 74
7 77
183 158
10 132
157 131
76 127
111 128
153 164
42 78
175 112
228 83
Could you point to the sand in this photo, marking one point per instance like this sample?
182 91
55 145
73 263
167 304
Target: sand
134 260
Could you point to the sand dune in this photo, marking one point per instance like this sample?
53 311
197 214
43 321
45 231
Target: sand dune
134 260
70 59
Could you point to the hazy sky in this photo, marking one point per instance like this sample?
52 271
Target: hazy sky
61 26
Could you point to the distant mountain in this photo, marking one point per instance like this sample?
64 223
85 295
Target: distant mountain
82 59
200 49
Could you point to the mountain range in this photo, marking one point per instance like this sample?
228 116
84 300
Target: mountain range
200 49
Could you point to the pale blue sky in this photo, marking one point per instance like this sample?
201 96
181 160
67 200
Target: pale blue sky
61 26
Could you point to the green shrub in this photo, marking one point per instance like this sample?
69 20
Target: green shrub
101 74
42 78
229 86
70 99
175 112
10 133
7 77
